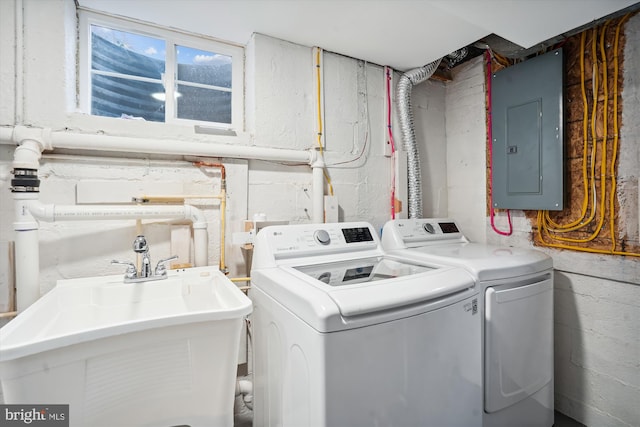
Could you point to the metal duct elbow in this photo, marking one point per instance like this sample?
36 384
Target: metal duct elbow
405 84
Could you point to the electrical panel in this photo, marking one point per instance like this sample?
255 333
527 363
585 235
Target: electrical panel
527 153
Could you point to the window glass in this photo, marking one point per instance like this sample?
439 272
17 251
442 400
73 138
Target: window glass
200 66
196 103
126 75
126 98
204 85
126 53
130 68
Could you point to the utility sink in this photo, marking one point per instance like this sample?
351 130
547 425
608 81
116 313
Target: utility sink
158 353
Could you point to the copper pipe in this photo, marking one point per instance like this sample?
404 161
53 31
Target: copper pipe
223 207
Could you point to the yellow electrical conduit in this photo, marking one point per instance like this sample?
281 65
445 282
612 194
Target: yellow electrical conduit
543 217
319 108
603 165
588 183
578 223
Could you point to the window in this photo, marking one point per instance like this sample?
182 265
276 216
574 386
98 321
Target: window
142 72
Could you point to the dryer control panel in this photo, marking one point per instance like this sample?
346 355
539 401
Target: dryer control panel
420 231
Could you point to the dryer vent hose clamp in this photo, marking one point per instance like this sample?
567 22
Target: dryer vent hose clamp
25 181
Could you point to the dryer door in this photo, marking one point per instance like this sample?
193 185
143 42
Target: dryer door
518 342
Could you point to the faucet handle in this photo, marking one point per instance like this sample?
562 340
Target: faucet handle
131 272
161 269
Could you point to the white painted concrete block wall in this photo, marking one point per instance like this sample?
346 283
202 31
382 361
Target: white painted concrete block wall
597 297
428 102
281 93
466 148
597 350
7 68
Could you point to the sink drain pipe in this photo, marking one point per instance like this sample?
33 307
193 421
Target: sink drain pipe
405 84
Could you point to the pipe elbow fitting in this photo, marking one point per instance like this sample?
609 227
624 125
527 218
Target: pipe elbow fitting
316 159
27 155
196 216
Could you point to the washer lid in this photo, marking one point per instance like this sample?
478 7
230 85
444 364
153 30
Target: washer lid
400 292
353 300
342 273
483 261
439 240
366 285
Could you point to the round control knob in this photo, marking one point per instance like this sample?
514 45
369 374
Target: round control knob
322 237
428 228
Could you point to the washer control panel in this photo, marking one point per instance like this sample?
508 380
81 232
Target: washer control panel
307 239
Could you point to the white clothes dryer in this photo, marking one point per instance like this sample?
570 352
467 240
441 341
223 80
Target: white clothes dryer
516 303
346 336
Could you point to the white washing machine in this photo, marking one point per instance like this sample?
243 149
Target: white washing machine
516 304
346 336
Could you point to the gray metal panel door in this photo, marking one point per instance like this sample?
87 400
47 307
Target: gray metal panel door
527 134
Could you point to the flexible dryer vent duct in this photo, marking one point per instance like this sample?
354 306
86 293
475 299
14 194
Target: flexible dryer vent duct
405 84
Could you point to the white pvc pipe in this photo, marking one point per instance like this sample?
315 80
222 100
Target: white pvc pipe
52 213
93 142
27 253
200 245
77 141
173 147
27 263
317 214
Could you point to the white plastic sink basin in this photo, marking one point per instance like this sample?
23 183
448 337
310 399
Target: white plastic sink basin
152 353
80 310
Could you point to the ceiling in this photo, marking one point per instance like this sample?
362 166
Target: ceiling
403 34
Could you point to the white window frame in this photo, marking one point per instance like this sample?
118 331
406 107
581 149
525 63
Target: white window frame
172 38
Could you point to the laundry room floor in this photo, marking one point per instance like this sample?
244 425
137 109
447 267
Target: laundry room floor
562 420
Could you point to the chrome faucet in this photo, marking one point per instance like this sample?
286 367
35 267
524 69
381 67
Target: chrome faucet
145 274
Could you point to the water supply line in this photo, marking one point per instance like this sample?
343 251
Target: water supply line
320 134
405 84
222 196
